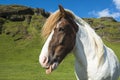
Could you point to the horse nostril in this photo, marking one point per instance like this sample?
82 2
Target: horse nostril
45 60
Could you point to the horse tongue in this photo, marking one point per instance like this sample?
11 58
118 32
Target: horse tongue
49 70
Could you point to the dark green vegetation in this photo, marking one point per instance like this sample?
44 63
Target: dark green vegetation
20 44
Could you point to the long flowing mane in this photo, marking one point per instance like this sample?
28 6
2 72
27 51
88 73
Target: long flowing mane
52 21
96 41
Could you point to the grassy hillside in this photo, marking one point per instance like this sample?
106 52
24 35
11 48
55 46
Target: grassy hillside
20 45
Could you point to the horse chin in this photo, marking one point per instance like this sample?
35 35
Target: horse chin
51 67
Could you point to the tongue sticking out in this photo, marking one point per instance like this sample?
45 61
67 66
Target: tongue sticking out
49 70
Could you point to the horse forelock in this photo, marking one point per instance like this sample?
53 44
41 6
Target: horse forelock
52 21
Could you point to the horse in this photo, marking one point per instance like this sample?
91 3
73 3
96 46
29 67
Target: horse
64 33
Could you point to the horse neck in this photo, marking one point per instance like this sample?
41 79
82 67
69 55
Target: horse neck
86 45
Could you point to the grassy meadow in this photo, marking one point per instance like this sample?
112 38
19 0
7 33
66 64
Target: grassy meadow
19 60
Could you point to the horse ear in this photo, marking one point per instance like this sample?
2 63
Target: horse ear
62 10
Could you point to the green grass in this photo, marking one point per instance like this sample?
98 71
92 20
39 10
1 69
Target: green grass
19 61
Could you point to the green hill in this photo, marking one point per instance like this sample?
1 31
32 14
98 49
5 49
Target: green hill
107 27
21 43
20 21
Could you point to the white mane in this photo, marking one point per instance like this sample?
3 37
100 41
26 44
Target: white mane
95 39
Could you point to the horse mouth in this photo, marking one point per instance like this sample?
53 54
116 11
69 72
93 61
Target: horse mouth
51 67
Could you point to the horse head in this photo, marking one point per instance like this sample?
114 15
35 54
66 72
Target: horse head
60 41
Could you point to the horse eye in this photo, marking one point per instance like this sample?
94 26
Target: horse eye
61 29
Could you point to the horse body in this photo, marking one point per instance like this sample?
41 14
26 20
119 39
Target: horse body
94 60
87 64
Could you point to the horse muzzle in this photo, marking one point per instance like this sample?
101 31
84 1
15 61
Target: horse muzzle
44 61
